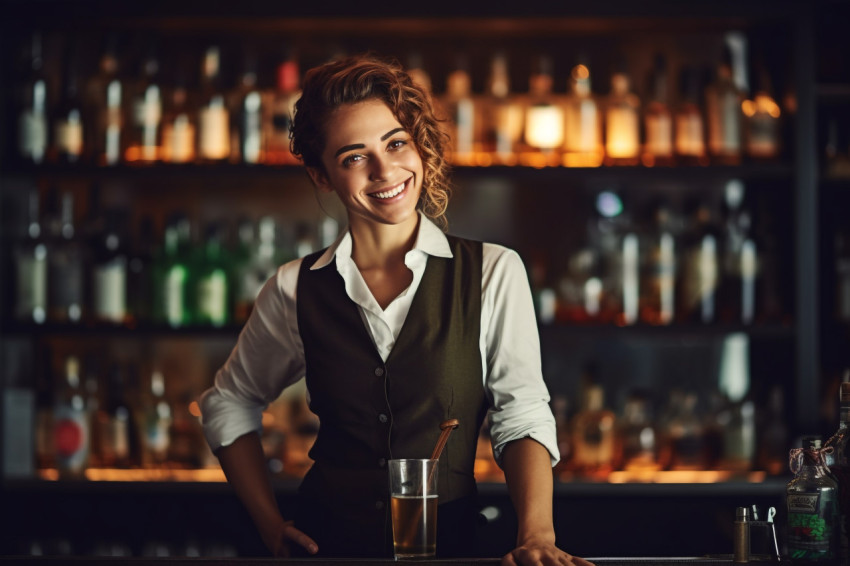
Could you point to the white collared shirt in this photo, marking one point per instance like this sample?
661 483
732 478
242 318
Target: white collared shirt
269 355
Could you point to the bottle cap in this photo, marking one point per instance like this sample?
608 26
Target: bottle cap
742 514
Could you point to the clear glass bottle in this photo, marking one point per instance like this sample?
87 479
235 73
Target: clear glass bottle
69 122
762 114
104 97
622 121
145 142
637 439
459 109
248 112
812 506
582 122
67 261
739 269
503 115
658 119
839 467
658 268
213 113
29 257
723 101
71 423
593 435
156 422
688 121
32 116
179 126
543 132
282 108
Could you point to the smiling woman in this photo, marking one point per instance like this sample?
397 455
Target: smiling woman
396 327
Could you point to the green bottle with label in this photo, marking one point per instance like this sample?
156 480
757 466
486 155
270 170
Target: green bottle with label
812 505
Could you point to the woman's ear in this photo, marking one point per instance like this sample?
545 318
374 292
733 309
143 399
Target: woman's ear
320 179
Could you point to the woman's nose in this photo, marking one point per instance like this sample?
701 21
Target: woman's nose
380 166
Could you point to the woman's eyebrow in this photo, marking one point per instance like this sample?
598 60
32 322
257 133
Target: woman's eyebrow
384 137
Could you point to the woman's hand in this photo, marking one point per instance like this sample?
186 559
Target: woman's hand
280 540
539 551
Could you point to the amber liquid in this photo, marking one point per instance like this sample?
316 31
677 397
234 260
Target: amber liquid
414 526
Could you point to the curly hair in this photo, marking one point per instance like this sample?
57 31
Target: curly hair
366 77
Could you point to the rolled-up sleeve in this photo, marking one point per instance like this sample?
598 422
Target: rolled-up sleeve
513 374
268 357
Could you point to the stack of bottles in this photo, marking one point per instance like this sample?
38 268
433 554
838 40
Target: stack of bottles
196 116
93 272
701 262
723 434
97 416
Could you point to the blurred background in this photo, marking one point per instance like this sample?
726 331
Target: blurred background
674 175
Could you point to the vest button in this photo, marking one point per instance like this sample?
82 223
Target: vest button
382 462
379 371
379 504
383 418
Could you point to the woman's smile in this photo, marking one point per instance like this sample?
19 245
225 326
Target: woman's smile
393 193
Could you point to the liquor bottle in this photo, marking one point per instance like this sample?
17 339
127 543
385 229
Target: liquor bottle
71 423
282 108
145 142
264 257
415 68
119 437
179 127
67 261
593 435
213 114
459 108
630 279
30 264
839 467
637 442
812 505
104 96
173 271
762 128
658 270
156 422
544 118
140 266
69 136
723 101
248 113
740 273
110 271
502 114
700 266
682 434
212 283
658 119
688 121
622 121
583 122
32 119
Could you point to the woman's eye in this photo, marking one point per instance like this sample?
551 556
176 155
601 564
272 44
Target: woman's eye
396 144
351 160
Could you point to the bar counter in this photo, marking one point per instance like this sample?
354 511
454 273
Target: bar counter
720 560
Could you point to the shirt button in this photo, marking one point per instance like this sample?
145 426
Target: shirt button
383 418
379 505
382 462
379 371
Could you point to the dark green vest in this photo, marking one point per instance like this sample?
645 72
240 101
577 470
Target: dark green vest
372 411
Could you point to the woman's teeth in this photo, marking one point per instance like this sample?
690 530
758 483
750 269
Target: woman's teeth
390 193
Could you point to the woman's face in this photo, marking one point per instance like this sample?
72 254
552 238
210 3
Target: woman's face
372 164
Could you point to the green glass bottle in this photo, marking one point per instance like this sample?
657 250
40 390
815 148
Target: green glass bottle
173 274
212 286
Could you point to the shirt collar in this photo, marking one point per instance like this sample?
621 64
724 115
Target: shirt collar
429 239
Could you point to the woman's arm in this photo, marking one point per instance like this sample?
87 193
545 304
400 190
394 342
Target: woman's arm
528 472
244 465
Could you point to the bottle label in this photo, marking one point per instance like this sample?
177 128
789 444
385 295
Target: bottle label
69 134
32 135
174 296
179 140
110 291
689 135
811 523
70 439
212 298
214 137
